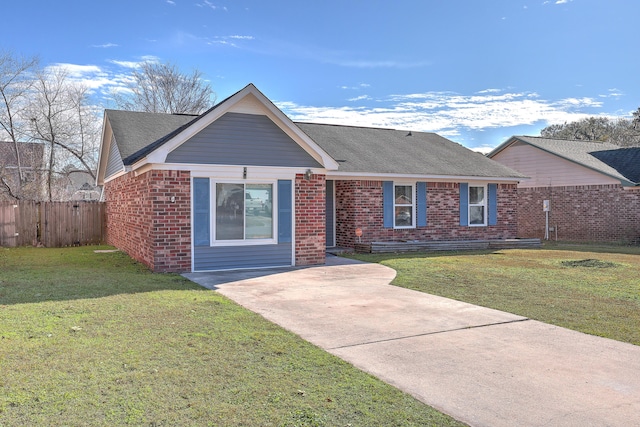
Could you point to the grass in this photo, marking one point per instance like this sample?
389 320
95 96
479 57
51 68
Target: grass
94 339
592 289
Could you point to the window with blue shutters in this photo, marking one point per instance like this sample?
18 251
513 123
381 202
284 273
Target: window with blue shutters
241 212
478 204
404 205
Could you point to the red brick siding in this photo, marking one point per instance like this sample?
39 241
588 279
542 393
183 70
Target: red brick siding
144 222
606 213
310 231
359 205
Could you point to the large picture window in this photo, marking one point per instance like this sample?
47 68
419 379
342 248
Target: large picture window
403 206
477 205
243 211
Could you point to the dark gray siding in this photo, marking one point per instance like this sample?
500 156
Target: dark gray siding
114 162
242 139
330 212
233 257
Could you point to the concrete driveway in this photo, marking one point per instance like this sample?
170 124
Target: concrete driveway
481 366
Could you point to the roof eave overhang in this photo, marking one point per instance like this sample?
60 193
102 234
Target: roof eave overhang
424 177
103 153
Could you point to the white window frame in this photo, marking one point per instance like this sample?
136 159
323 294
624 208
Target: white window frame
243 242
413 204
484 204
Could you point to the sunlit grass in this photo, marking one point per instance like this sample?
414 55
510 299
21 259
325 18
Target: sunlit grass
593 289
91 339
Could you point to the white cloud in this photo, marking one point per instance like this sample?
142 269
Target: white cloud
448 113
359 98
484 149
612 93
172 3
134 64
351 63
105 45
212 6
231 41
489 91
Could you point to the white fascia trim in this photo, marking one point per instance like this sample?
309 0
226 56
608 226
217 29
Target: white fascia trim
230 171
122 172
160 154
431 178
103 153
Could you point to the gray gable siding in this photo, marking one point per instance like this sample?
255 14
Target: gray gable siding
242 139
114 162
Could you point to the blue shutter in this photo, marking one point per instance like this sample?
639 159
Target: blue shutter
387 204
421 204
285 214
464 204
201 212
493 204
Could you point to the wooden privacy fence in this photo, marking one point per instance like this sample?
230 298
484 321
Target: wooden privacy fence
51 224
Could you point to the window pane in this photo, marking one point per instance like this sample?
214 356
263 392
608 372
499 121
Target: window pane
476 215
403 216
476 195
259 212
229 211
403 195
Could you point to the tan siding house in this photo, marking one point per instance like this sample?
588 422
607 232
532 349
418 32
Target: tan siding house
592 188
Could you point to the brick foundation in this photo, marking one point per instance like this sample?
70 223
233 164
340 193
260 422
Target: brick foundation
143 221
310 227
589 213
359 205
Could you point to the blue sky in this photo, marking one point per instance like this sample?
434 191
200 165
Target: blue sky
474 71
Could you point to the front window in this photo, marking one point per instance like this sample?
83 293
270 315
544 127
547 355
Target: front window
477 205
403 206
243 211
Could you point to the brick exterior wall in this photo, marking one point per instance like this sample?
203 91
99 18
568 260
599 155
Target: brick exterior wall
359 205
143 222
590 213
310 230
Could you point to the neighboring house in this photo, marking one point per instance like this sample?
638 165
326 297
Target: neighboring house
80 185
242 186
26 183
593 188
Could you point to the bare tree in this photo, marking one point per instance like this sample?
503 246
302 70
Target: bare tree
635 122
61 118
16 74
163 88
621 131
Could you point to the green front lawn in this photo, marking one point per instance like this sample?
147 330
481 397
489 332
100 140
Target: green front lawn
591 289
94 339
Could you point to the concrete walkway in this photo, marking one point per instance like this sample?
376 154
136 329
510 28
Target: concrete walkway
483 367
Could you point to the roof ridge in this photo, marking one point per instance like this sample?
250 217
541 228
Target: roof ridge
593 141
362 127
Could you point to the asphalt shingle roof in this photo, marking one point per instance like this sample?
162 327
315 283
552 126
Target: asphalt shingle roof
356 149
610 159
375 150
138 133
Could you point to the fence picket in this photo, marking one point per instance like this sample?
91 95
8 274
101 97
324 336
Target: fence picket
53 224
